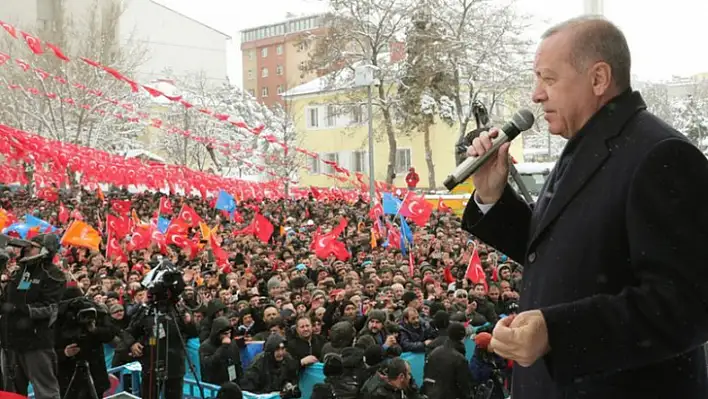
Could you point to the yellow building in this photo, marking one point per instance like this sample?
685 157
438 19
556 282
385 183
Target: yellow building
334 124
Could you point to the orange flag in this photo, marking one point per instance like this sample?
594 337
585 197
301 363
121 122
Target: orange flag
80 234
99 194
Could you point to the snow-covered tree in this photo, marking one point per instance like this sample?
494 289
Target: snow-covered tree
691 118
658 101
421 100
202 148
283 160
485 54
365 32
91 107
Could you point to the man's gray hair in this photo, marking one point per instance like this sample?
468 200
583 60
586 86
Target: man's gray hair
597 39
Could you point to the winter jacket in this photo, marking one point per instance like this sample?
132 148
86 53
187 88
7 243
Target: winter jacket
446 374
30 306
265 374
220 363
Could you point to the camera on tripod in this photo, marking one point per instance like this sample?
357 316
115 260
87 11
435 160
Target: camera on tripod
80 319
164 282
290 391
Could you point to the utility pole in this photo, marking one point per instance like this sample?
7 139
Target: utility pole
594 7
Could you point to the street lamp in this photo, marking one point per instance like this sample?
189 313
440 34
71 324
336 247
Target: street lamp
364 75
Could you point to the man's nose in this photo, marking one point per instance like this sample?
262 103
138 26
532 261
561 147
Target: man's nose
539 95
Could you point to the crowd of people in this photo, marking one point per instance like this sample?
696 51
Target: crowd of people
356 316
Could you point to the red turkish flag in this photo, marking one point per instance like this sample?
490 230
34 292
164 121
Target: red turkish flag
442 207
141 238
118 226
57 52
63 214
263 229
189 215
475 272
165 206
9 28
122 207
416 208
113 249
33 43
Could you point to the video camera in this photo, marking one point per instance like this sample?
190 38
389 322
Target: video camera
164 282
80 317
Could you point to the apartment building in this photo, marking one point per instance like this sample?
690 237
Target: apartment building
273 56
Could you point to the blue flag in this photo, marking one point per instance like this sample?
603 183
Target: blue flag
225 202
43 225
163 224
390 204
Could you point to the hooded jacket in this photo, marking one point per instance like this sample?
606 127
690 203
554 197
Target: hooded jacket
220 363
265 374
341 336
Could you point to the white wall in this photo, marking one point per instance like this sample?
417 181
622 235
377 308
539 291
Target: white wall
173 41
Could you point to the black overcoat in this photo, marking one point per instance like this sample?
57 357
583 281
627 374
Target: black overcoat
617 261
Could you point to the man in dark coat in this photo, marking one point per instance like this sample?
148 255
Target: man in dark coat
29 307
272 370
615 290
219 355
447 375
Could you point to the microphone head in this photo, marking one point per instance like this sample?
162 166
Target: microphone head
523 119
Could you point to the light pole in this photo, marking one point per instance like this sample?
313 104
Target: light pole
364 76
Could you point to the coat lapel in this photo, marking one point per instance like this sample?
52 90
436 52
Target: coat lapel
591 154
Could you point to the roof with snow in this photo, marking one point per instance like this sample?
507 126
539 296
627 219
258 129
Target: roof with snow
142 154
333 81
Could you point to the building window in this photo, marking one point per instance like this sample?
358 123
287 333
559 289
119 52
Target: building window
313 117
264 52
358 114
280 89
279 69
403 160
331 157
252 92
314 166
264 92
359 163
279 49
331 115
264 72
250 74
251 54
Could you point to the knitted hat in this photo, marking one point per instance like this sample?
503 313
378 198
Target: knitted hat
482 340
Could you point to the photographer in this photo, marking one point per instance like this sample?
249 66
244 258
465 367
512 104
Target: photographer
273 370
29 310
82 329
157 336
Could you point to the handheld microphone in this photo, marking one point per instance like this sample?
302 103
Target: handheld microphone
522 120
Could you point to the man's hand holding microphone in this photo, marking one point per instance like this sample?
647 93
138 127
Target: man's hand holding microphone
522 338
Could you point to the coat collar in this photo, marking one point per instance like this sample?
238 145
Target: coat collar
591 153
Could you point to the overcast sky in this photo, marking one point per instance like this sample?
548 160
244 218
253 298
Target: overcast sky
664 37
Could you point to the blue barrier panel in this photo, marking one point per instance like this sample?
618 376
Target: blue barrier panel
109 352
308 378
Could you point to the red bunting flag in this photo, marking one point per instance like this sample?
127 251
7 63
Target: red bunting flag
33 43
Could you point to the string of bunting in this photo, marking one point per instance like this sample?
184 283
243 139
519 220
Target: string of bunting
225 148
35 45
